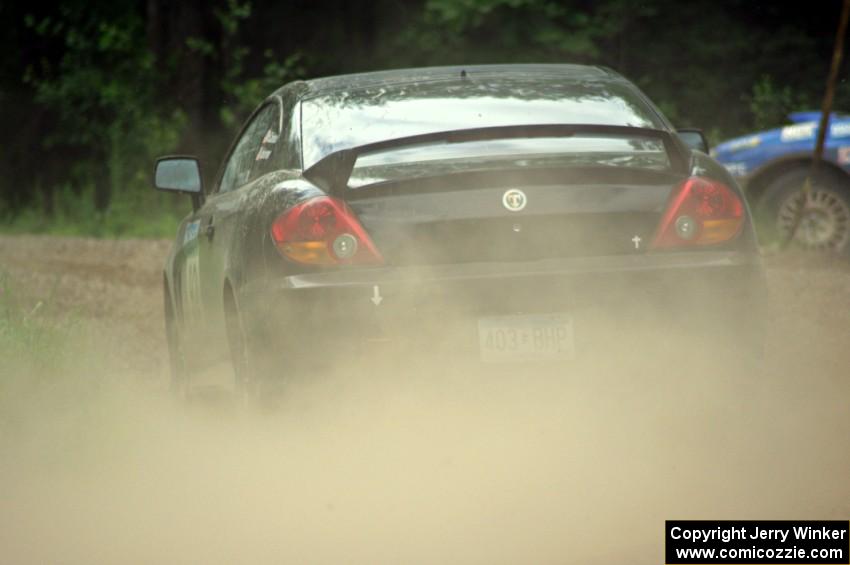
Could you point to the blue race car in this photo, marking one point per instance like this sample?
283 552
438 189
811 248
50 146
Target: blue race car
772 165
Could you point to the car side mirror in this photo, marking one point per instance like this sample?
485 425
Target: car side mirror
180 174
694 138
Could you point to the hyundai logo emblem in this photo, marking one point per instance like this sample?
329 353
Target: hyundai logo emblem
514 200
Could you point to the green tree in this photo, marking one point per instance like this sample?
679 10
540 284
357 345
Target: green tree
771 104
100 94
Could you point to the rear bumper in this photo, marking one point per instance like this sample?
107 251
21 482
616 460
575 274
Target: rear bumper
622 298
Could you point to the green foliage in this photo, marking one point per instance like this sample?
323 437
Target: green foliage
248 92
101 91
233 52
245 92
770 104
101 82
106 95
457 30
101 94
137 213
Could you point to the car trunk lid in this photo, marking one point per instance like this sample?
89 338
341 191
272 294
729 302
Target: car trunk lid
508 193
465 218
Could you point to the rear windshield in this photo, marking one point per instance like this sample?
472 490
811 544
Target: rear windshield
340 120
581 150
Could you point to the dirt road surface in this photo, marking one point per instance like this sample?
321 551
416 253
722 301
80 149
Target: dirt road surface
368 472
114 286
117 287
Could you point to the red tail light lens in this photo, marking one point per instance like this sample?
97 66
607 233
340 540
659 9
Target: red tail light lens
323 231
701 212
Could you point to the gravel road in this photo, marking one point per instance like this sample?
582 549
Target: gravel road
117 286
114 286
353 471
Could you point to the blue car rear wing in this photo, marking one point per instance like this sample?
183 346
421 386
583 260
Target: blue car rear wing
332 172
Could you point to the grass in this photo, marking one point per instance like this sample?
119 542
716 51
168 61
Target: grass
39 348
28 337
61 406
135 214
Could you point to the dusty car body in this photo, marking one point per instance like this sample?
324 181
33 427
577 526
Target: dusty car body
508 213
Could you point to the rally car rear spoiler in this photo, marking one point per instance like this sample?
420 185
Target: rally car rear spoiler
332 172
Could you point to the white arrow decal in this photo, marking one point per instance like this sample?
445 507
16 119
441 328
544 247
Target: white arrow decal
376 295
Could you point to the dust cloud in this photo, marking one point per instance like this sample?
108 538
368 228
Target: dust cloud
424 460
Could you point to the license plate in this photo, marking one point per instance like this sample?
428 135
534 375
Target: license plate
541 337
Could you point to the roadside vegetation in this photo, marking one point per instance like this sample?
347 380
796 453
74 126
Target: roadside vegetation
90 93
39 348
29 338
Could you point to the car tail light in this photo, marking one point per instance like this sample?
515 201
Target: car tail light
323 231
701 212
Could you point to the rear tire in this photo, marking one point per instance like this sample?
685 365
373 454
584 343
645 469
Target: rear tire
825 224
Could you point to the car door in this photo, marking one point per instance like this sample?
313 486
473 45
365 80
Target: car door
218 219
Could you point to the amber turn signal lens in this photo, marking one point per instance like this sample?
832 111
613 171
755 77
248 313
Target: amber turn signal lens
717 231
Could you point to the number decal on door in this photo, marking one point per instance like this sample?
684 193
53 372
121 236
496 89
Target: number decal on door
192 310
